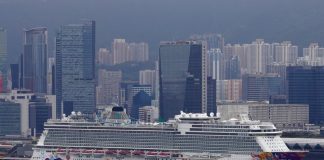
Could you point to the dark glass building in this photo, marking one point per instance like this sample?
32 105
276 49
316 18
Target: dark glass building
211 95
139 96
35 60
14 72
75 68
259 87
183 78
3 60
10 118
141 99
39 113
306 86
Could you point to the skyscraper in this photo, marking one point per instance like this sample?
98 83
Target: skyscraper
109 86
183 78
306 86
3 60
35 60
75 68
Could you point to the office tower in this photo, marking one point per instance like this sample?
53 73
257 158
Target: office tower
229 90
140 95
120 51
109 85
286 53
211 95
259 87
51 76
35 60
138 52
306 86
75 68
313 55
183 78
104 57
10 118
39 112
14 73
148 77
3 60
284 116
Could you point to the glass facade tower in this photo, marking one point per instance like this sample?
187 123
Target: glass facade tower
306 86
35 60
3 60
183 78
75 65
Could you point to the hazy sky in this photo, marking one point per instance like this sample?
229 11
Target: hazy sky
300 21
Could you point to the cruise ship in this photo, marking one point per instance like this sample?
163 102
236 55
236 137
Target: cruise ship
188 137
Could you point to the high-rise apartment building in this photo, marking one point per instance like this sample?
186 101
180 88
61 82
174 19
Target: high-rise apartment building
285 53
120 50
252 58
306 86
129 52
35 60
104 57
312 56
75 68
229 90
258 56
183 78
109 86
3 60
138 52
213 40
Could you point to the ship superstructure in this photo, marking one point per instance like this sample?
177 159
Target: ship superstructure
188 136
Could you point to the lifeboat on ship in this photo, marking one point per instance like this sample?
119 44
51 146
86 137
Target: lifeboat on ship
87 152
124 152
75 151
138 153
152 153
111 152
99 152
164 154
